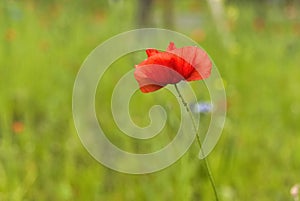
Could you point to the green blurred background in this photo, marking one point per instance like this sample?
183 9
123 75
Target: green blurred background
255 45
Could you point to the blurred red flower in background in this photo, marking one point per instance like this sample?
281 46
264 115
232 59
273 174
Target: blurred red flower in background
10 35
161 68
18 127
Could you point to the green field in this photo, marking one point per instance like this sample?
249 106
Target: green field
44 43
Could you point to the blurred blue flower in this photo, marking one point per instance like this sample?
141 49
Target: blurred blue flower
201 107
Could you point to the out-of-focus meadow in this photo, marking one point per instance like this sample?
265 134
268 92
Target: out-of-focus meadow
254 44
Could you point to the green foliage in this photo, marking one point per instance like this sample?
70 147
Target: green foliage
41 157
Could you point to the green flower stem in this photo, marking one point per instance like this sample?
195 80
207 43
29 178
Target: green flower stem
211 179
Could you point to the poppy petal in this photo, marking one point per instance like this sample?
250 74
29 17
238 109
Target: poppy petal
171 46
197 58
150 88
169 60
153 77
151 52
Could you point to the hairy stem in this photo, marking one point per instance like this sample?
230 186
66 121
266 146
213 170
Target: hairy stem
206 164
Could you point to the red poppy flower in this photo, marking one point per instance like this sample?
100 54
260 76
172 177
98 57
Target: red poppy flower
161 68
